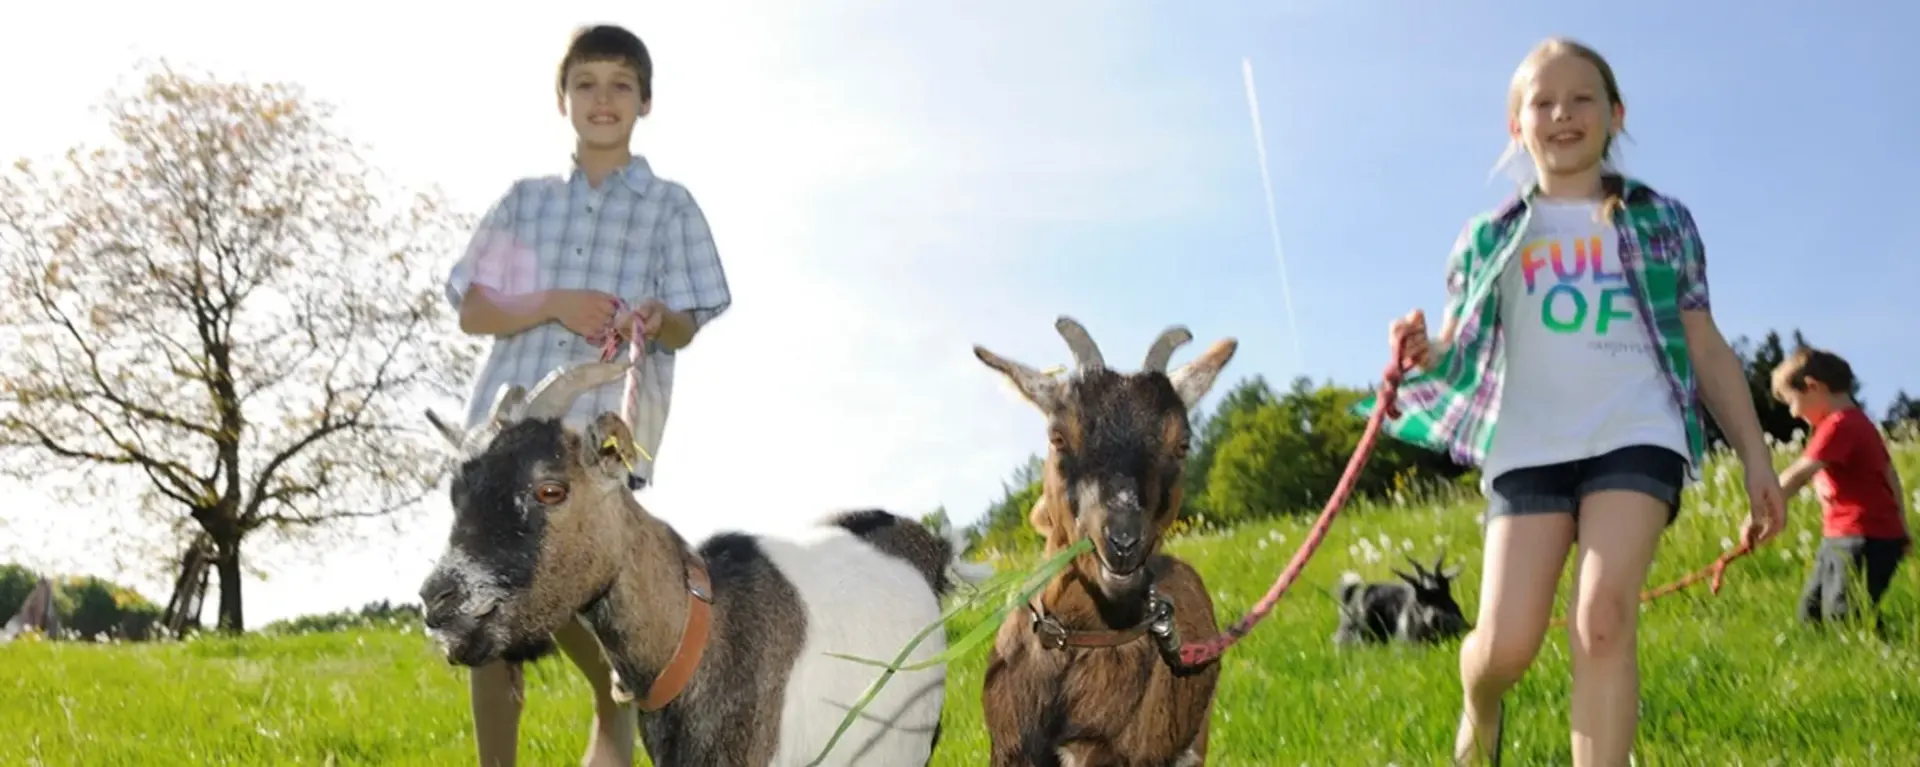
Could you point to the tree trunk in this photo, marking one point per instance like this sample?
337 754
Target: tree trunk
227 560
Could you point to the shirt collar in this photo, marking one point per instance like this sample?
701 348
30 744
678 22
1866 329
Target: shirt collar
637 174
1612 184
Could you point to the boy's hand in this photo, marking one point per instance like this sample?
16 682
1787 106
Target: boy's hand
652 314
585 312
1767 506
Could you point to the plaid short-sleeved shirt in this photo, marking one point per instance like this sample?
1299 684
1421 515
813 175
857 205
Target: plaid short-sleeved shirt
1454 406
638 236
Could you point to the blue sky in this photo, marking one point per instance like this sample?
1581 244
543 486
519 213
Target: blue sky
892 183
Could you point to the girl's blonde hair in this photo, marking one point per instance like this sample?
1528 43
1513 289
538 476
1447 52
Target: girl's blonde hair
1547 49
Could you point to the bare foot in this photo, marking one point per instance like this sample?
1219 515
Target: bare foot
1487 750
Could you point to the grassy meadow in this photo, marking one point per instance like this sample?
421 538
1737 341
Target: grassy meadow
1727 680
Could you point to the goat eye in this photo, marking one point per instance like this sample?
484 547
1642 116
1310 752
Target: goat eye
550 493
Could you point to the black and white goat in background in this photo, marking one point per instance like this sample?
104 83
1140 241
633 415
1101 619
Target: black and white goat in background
1418 608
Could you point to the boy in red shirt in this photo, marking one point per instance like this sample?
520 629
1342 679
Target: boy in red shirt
1863 520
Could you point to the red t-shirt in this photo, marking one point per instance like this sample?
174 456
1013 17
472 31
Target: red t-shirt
1853 487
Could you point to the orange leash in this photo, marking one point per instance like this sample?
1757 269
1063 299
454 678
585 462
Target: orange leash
1716 571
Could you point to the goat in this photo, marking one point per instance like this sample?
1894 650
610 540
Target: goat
1418 609
724 644
1086 675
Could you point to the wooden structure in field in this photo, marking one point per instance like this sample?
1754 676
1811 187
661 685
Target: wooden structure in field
36 613
190 588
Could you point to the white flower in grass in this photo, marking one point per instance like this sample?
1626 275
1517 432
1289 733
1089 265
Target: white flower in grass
1406 544
1726 543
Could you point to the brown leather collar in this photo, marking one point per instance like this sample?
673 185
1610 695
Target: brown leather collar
1053 635
673 679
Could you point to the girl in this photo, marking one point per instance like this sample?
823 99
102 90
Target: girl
1577 318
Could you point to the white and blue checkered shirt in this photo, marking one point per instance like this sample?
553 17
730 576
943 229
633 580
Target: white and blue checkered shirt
638 236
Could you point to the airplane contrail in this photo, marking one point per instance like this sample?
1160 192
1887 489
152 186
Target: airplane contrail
1273 219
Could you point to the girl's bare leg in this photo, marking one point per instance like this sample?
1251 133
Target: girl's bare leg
1619 533
1521 568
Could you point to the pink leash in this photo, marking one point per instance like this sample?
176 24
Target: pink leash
609 340
1197 653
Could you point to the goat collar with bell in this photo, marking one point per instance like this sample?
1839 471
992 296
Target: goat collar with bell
672 680
1053 635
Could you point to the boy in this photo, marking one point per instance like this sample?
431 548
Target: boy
557 264
1864 525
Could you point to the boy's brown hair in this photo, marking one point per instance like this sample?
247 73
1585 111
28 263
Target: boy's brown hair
607 42
1805 364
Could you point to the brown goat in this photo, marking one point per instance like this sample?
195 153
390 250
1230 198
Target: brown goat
1082 677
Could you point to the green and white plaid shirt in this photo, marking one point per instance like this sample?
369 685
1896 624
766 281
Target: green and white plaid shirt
1454 407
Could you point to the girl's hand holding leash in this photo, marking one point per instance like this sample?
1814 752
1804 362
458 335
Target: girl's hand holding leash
1409 334
1767 508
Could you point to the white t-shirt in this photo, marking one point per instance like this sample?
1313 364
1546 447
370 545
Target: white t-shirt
1581 376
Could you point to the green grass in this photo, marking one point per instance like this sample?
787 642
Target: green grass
1726 680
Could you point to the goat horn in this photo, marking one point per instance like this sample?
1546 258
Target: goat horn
1086 354
1162 350
505 402
555 394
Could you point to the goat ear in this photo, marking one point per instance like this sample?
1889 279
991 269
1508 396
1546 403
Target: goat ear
1039 518
1405 577
1192 380
454 435
1037 387
609 447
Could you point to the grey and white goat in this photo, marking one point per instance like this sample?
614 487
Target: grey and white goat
725 644
1418 608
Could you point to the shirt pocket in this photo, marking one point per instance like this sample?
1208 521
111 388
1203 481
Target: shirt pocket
1663 245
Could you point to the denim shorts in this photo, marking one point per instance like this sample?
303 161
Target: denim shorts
1558 488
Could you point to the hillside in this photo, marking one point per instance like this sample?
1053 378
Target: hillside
1727 679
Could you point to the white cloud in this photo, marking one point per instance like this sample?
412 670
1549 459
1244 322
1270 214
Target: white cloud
852 163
